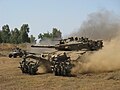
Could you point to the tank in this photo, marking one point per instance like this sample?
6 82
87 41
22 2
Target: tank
61 61
75 44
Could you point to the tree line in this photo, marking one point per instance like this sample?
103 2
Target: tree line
17 36
55 34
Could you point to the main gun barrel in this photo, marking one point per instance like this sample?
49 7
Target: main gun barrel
43 46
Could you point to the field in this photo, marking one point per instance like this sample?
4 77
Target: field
11 78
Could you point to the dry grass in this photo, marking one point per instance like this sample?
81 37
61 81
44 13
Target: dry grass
6 48
11 78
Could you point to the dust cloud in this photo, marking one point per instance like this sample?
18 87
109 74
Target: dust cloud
44 67
48 42
101 25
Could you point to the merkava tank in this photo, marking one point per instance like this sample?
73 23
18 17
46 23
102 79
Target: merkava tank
61 61
73 44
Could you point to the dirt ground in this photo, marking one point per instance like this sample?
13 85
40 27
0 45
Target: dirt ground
11 78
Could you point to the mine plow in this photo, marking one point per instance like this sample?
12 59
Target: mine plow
59 65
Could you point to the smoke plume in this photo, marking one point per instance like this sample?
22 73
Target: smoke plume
101 25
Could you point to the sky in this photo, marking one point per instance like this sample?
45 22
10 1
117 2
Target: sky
43 15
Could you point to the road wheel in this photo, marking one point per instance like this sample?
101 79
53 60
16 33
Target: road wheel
10 55
20 56
14 56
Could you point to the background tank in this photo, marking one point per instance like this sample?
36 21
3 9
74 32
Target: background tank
71 44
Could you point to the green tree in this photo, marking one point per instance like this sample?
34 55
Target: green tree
32 39
0 36
56 33
24 30
15 36
40 36
45 36
5 34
